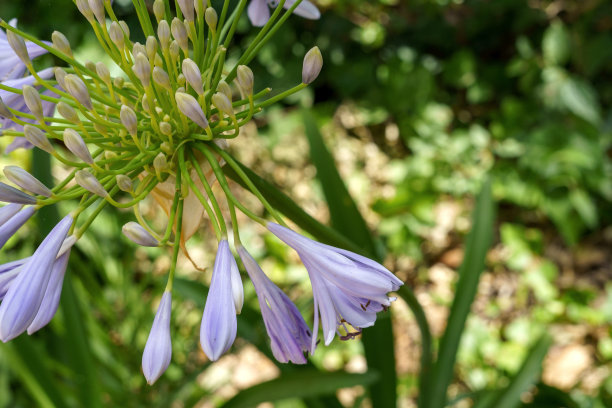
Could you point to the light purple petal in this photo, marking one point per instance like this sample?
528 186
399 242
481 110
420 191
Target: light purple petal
8 229
8 273
305 9
24 296
18 143
51 299
158 350
219 324
258 12
8 211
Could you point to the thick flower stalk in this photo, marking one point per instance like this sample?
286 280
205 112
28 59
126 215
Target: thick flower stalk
160 131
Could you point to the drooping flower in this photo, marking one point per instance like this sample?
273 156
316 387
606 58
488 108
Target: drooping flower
219 324
347 287
11 225
8 272
158 350
25 294
259 10
11 66
289 334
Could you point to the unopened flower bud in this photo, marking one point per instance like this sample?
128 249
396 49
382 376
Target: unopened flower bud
75 143
186 7
129 119
159 9
60 75
193 75
77 88
61 43
101 129
211 18
126 29
90 183
103 72
137 234
118 82
26 181
116 35
4 110
245 79
97 7
166 148
174 50
110 155
199 8
32 100
158 350
151 47
165 128
222 103
158 61
85 9
179 32
18 45
161 78
142 69
37 137
124 183
225 89
10 194
138 48
68 112
90 66
163 34
180 79
160 163
189 107
313 62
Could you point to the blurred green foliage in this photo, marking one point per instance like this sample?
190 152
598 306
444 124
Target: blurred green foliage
518 91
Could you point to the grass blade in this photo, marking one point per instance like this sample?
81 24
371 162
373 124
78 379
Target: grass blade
478 243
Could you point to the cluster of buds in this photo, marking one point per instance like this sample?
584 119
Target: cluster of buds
161 130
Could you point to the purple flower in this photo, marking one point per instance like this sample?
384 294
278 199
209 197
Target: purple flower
219 324
8 272
347 288
289 334
25 294
259 10
11 66
12 224
158 350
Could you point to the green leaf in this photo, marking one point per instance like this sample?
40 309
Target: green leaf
556 44
528 374
346 219
299 384
580 98
478 243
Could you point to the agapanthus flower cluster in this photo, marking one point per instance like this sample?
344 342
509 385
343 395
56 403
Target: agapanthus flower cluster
160 130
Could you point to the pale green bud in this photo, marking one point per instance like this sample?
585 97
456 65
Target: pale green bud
125 28
75 143
77 88
103 72
26 181
124 183
101 129
181 80
90 66
222 103
138 48
179 32
68 112
116 35
60 75
163 34
142 69
4 110
18 45
137 234
174 50
90 183
313 62
151 47
225 89
161 78
193 75
211 18
160 163
129 119
61 43
186 7
165 128
32 100
83 6
159 9
199 7
110 155
118 82
165 146
37 137
97 7
189 107
245 79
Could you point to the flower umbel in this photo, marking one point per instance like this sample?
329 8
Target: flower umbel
160 131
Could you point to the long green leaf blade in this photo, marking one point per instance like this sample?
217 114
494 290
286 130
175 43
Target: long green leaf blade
478 242
298 384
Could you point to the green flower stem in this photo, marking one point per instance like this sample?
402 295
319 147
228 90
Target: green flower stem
235 229
177 240
172 214
234 18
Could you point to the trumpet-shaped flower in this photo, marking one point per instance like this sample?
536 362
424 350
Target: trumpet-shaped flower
347 288
219 324
25 294
11 66
11 225
289 334
8 272
259 10
158 350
